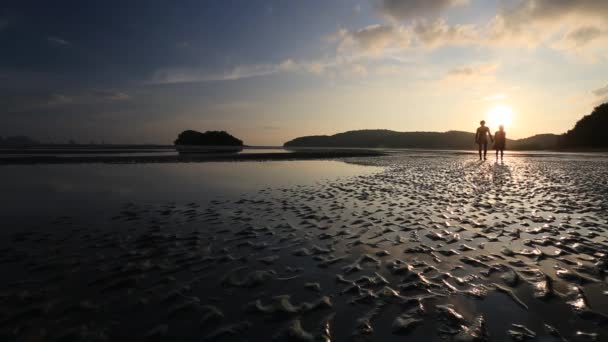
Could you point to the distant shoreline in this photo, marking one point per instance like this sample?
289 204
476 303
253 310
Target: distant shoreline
118 149
191 158
294 154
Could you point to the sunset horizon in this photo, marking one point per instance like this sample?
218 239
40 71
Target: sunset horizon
270 71
304 170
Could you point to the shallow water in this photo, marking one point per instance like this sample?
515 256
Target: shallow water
120 153
423 246
72 189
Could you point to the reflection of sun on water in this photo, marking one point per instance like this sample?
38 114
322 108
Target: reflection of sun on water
499 115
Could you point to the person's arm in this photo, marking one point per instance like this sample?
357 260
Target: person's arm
490 134
476 136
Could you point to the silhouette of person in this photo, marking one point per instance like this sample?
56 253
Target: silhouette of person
500 141
481 138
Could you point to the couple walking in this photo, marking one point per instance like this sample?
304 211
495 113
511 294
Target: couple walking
499 140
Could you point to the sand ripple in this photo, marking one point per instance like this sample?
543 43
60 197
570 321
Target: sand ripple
431 248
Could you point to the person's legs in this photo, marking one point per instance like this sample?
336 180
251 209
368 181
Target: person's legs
496 154
479 144
502 154
485 151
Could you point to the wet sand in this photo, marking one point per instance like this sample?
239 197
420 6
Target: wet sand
434 248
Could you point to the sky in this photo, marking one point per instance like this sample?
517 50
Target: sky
142 71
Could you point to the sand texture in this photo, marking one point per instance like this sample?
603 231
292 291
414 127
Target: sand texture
432 248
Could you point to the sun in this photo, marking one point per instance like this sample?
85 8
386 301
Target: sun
499 115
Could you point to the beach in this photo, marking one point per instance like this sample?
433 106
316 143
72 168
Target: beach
430 245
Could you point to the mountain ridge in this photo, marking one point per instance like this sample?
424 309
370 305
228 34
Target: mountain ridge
588 133
384 138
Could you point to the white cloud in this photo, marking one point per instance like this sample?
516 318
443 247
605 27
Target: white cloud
525 12
439 33
380 40
187 75
576 27
373 39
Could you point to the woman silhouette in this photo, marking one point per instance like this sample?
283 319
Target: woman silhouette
500 141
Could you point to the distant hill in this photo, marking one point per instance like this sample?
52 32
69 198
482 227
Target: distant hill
535 142
453 140
588 133
382 138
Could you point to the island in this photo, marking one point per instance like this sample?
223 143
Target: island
209 142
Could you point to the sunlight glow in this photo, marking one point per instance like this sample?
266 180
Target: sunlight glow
499 115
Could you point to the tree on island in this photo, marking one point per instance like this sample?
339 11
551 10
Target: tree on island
209 138
589 132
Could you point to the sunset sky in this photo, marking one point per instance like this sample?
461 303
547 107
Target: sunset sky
269 71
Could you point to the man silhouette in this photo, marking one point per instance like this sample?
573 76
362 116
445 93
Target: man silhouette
481 139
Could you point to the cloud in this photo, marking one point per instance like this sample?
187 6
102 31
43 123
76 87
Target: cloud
378 39
373 38
475 73
57 41
412 9
235 106
600 96
578 28
358 69
588 43
532 11
188 75
57 100
572 26
583 35
495 97
110 95
316 68
439 33
601 91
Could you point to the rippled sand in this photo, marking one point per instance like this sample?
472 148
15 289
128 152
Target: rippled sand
432 248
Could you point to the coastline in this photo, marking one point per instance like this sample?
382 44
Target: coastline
192 158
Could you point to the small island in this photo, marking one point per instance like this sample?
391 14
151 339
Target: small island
209 142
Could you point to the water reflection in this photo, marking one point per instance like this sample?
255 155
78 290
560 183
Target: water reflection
72 188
